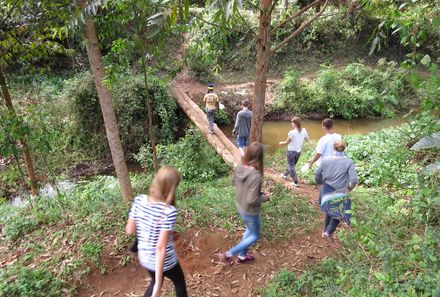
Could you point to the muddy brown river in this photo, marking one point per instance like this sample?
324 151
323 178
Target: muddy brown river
274 132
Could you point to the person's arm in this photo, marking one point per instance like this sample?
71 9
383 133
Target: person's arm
307 138
352 177
160 260
314 159
130 228
288 140
217 102
319 173
319 152
237 118
254 196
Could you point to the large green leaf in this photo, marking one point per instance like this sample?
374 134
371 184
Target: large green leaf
432 141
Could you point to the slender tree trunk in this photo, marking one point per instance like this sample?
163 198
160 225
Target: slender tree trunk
26 153
108 113
149 111
261 71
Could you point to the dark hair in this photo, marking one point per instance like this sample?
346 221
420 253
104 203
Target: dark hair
245 103
254 156
297 122
328 123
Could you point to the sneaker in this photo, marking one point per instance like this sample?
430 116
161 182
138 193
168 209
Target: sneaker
294 184
327 236
246 259
211 132
283 176
225 260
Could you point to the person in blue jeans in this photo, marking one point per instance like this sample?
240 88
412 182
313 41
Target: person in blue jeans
242 127
337 175
248 199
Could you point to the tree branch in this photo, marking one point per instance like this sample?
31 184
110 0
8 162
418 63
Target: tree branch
300 29
273 6
9 14
298 13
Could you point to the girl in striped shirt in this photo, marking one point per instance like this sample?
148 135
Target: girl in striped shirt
152 218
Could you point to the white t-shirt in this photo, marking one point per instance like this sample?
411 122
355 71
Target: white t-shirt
325 146
296 139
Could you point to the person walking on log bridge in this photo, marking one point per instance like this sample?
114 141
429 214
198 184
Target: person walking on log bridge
153 218
248 199
212 104
324 148
242 127
337 175
295 140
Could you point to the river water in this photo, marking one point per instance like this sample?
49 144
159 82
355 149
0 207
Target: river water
276 131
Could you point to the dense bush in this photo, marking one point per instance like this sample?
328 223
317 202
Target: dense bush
353 92
194 158
383 159
129 101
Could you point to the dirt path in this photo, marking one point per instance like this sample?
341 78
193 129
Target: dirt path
206 277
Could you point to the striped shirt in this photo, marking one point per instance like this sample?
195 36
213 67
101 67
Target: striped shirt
151 218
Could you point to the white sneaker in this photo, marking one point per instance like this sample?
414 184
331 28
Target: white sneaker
283 176
294 184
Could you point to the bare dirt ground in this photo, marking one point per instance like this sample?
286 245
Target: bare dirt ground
206 277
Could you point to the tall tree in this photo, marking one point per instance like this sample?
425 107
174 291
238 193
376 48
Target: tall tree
25 37
108 113
26 152
265 50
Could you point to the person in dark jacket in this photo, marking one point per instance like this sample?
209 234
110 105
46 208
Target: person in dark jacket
248 199
337 175
242 127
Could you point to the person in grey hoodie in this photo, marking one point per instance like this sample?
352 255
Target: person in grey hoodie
242 127
337 175
248 199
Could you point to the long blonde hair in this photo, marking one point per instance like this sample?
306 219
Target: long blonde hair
165 184
254 156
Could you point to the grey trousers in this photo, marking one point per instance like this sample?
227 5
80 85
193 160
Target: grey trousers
210 113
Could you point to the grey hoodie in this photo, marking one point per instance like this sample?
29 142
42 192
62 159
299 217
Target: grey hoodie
248 196
243 123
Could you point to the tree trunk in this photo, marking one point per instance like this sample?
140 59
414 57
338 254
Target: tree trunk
26 153
261 71
111 126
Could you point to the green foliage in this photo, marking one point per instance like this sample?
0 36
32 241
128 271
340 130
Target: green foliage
210 45
383 158
194 158
377 260
22 281
129 101
353 92
221 118
91 251
336 27
17 227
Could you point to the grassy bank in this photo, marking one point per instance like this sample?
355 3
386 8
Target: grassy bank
47 249
394 248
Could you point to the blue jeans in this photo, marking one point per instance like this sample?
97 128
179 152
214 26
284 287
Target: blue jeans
292 159
242 141
250 236
330 224
210 113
